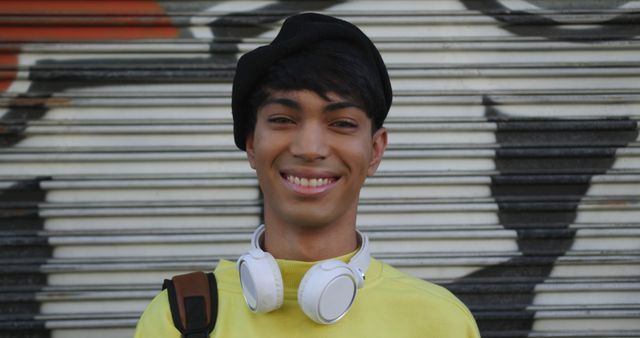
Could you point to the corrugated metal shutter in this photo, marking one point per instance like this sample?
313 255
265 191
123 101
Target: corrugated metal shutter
512 176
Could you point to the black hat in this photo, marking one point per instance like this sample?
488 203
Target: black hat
300 32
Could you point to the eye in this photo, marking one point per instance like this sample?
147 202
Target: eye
344 124
279 119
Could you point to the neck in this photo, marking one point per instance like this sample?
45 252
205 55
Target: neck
309 244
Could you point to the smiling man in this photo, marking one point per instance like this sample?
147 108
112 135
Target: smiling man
308 110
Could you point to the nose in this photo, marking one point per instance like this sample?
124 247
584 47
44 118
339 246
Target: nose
310 143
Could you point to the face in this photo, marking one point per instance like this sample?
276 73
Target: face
312 156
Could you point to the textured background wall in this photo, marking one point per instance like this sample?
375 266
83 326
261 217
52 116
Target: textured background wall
512 176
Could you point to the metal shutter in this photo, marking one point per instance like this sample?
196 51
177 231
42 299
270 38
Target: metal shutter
512 176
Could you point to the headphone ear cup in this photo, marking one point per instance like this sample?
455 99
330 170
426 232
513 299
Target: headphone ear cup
261 281
327 291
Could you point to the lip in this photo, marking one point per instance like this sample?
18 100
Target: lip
309 174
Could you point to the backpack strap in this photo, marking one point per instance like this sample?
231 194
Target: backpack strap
193 299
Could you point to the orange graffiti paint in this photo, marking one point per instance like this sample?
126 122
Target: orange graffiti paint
77 21
45 21
78 7
8 63
79 34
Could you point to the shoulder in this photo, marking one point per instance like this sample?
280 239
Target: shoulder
419 298
419 287
227 277
156 319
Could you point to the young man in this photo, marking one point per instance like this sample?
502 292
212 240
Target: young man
308 110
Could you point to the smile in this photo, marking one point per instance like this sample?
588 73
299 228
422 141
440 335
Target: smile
309 185
309 182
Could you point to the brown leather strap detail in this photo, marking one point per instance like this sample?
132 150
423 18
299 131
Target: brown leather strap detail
188 285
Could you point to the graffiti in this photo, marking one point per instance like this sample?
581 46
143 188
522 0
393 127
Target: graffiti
545 166
538 191
48 77
561 27
23 223
23 251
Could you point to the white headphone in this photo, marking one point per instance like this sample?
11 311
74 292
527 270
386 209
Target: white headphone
326 291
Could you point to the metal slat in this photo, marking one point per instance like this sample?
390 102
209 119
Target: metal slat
512 174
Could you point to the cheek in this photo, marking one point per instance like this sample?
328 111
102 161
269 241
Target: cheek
358 156
268 147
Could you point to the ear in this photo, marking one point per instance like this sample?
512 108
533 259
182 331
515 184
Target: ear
251 154
379 144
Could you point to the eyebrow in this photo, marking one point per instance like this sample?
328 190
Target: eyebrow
293 104
283 101
341 105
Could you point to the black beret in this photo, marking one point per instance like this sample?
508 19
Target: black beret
300 32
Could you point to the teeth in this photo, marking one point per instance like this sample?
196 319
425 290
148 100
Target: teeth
308 182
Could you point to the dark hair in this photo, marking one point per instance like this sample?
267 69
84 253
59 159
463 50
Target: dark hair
323 70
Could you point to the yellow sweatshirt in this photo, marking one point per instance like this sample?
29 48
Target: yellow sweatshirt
391 304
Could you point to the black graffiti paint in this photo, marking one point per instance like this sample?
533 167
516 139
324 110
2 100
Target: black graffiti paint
22 251
248 24
523 23
545 168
